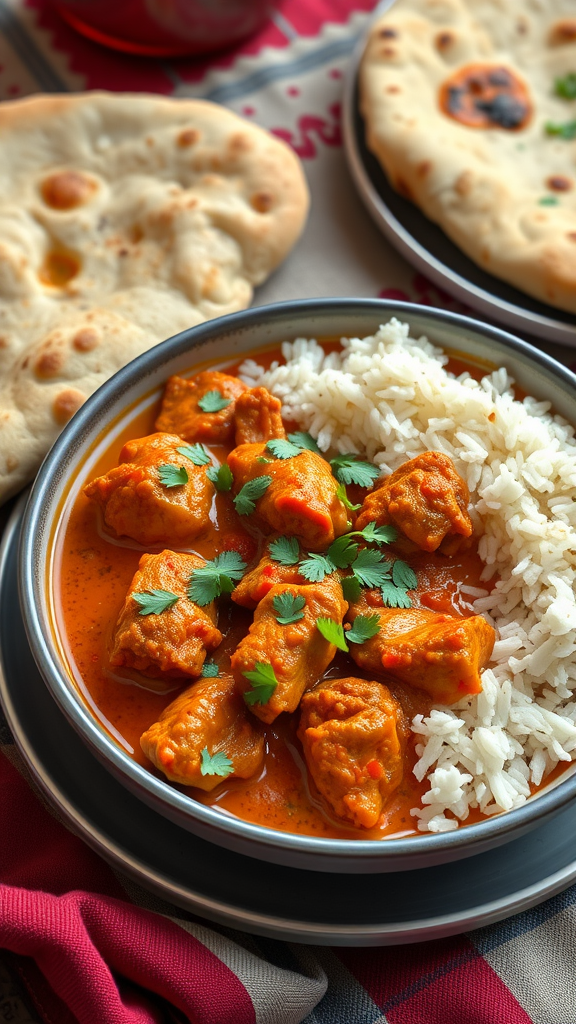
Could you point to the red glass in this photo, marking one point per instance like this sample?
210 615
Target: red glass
162 28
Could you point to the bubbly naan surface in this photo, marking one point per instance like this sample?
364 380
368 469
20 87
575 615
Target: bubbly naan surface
465 111
123 220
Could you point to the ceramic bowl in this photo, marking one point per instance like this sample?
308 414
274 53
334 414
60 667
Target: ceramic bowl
219 342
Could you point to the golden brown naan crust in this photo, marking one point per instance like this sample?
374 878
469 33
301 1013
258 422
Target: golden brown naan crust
123 220
483 186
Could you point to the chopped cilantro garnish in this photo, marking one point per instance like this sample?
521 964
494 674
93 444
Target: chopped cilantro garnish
263 681
566 87
196 453
153 602
349 469
215 578
215 764
548 201
221 478
343 497
566 131
363 627
210 669
213 401
282 449
351 588
172 476
371 568
304 440
343 551
333 632
284 550
316 567
403 576
373 534
393 596
288 607
249 494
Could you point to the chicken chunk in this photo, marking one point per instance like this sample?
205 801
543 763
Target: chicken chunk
136 503
258 417
431 651
426 499
168 644
256 583
297 653
301 499
182 414
209 716
353 733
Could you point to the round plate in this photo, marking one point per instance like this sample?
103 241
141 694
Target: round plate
240 891
426 246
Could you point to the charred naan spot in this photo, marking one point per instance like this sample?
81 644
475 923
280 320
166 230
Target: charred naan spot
59 267
26 363
11 463
66 404
464 183
3 341
403 188
150 140
423 168
571 236
387 52
239 143
188 137
444 41
123 252
67 189
49 363
522 26
486 96
86 339
388 33
563 32
262 202
136 234
558 183
392 89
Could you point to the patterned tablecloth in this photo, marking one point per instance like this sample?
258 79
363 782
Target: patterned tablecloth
82 944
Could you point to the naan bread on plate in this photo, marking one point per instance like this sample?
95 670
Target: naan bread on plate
470 107
123 220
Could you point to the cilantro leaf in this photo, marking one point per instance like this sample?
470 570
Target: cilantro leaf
370 568
316 567
343 551
349 469
196 453
210 669
153 602
249 494
566 87
304 440
288 607
284 550
221 478
263 681
333 632
548 201
213 401
282 449
172 476
341 494
403 576
351 588
215 764
373 534
394 597
566 131
363 627
215 578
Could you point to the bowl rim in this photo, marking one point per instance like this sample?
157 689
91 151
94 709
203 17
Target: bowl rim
158 791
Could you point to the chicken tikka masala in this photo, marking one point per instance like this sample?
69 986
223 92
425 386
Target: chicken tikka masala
259 622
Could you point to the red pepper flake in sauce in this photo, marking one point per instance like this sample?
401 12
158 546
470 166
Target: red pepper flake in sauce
486 96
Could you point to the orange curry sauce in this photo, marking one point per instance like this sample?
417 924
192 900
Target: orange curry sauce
92 575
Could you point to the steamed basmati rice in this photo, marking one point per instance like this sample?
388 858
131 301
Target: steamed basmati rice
389 397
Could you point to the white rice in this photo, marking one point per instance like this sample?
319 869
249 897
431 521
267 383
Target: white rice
389 397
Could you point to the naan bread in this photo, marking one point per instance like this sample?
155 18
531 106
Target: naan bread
123 220
505 194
